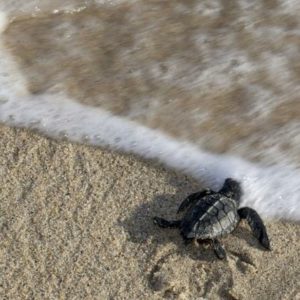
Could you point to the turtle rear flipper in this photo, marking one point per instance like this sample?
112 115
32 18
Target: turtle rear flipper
219 250
163 223
256 224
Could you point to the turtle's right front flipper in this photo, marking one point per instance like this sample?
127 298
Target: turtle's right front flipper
193 197
257 226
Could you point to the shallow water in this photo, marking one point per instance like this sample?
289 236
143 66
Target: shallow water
209 88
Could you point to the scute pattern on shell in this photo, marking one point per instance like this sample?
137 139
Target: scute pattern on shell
212 216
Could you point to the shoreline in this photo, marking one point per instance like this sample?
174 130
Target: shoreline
76 223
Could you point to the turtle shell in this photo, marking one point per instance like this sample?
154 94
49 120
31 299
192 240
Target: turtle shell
209 217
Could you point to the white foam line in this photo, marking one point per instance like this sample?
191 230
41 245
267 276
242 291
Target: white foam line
3 21
273 191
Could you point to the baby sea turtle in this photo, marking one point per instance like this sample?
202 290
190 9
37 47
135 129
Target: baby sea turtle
212 214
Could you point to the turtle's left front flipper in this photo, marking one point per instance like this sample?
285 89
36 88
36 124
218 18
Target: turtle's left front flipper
257 226
192 198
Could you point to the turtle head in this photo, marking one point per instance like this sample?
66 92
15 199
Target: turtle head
232 189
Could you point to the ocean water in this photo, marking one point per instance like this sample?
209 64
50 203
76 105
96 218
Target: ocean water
205 87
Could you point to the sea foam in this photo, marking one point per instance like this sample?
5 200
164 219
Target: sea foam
273 191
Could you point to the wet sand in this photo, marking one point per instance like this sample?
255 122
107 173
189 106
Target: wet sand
76 223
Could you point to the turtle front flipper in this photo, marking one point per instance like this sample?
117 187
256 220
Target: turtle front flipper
193 197
165 223
256 224
219 250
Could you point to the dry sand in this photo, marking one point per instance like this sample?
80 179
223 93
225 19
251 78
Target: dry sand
76 224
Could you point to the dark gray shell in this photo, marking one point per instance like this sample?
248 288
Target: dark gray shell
209 217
